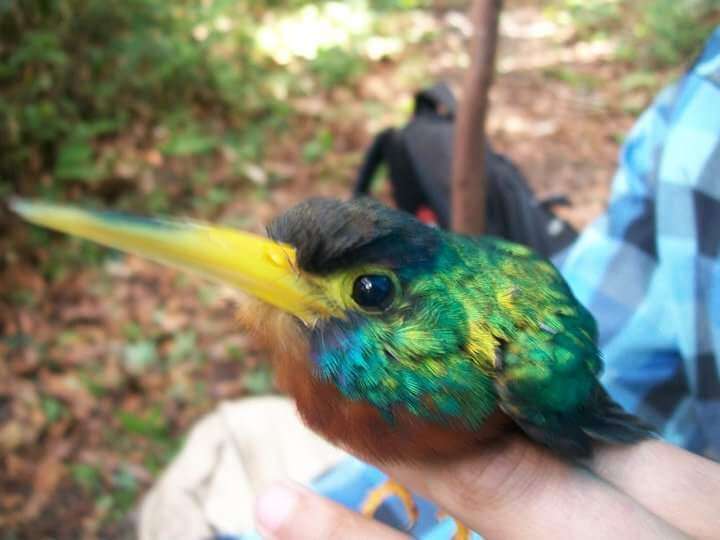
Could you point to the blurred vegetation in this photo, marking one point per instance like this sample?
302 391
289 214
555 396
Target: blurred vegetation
194 77
188 76
133 104
651 34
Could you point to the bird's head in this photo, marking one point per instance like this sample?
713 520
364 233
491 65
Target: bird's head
386 305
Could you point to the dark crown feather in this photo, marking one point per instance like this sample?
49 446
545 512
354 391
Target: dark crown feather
330 234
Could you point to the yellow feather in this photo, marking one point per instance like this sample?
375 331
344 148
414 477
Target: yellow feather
481 346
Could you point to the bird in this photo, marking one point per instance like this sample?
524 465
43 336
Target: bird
398 341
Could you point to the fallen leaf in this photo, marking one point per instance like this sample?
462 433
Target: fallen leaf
48 474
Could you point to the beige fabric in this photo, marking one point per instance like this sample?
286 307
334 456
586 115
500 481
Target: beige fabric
229 456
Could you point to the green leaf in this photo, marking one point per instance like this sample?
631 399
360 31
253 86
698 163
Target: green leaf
150 424
318 147
132 331
101 126
87 476
184 348
235 353
138 357
52 408
335 66
96 388
125 489
125 480
189 143
640 80
76 161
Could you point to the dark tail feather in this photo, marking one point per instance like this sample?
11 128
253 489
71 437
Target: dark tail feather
601 420
608 422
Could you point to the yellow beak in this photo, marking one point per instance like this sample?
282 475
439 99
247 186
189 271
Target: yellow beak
256 265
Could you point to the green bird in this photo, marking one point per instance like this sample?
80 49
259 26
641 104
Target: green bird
398 341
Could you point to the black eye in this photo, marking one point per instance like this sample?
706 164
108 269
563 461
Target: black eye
373 291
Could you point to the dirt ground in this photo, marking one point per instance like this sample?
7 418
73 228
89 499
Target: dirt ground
106 368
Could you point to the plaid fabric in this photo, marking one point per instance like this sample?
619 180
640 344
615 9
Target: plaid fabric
649 270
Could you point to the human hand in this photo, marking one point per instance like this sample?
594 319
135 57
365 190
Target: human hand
516 489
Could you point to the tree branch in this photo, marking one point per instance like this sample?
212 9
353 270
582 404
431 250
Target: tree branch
468 166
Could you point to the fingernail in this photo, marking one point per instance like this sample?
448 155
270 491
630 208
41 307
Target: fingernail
274 507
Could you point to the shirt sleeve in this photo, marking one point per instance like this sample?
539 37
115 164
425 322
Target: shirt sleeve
648 268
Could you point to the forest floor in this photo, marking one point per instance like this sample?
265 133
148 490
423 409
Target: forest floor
107 366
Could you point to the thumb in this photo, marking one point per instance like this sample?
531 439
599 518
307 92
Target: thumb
288 511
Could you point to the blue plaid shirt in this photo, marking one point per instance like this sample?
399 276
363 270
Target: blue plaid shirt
648 268
649 271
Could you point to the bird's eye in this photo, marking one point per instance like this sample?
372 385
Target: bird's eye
373 291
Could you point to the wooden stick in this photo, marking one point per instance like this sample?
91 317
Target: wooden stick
468 165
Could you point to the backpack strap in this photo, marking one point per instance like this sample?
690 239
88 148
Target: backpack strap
374 157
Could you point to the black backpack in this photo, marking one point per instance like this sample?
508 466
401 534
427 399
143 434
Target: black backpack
419 158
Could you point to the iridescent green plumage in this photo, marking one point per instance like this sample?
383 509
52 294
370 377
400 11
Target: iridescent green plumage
476 325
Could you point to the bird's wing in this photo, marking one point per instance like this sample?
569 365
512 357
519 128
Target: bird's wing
547 382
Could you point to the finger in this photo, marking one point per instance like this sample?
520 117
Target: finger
675 484
515 489
290 512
